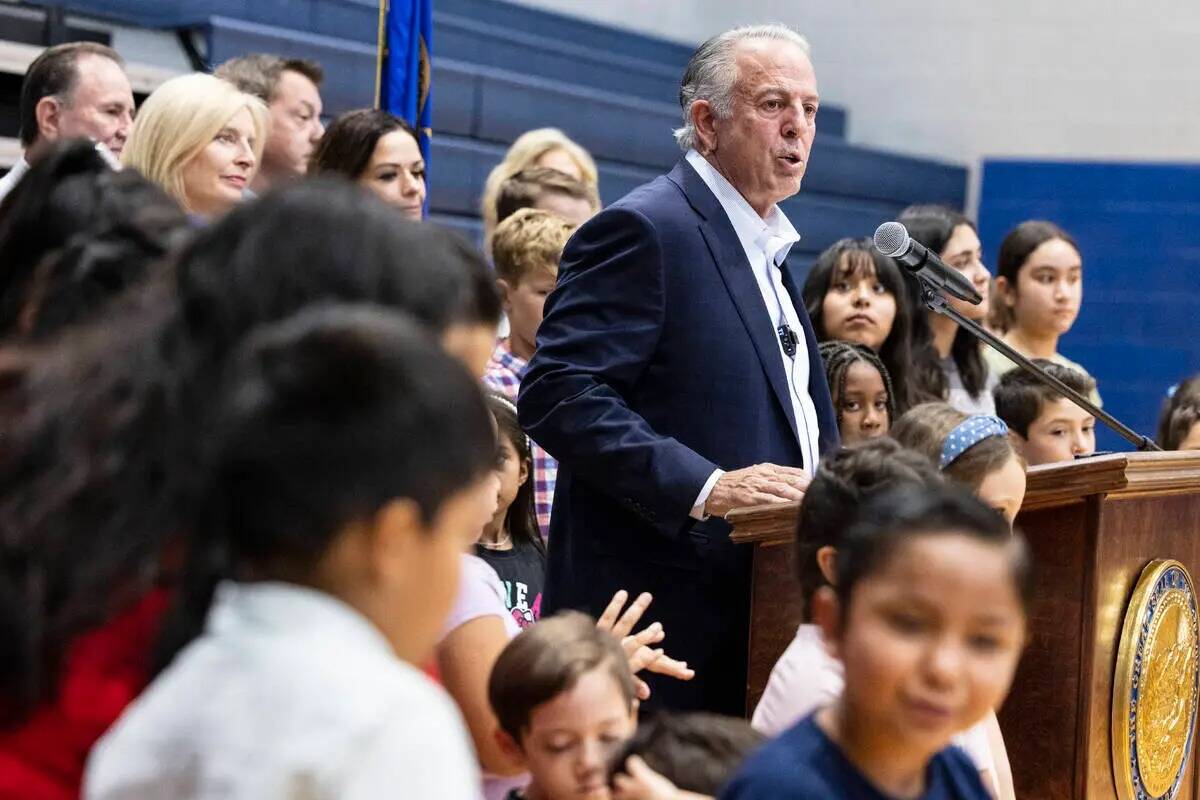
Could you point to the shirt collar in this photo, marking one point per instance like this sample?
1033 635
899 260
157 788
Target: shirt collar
287 608
774 235
504 356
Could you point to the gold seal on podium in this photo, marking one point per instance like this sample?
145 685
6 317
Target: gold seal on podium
1155 685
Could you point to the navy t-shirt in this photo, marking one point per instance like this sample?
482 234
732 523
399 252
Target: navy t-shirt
805 763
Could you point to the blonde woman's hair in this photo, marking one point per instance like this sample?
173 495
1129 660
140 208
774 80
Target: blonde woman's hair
525 152
179 119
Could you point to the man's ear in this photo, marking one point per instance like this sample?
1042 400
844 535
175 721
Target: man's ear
48 113
705 123
827 561
503 289
510 747
826 613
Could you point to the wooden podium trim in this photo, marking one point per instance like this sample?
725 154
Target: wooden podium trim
1116 475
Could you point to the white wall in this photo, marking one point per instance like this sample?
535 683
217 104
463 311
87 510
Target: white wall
962 79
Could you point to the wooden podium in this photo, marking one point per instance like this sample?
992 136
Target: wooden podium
1092 526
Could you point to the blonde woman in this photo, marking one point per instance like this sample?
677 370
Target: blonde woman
543 147
200 139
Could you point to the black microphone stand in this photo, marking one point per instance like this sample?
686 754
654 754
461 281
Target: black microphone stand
934 300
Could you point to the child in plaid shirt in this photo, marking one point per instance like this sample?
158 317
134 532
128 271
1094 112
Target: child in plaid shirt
526 249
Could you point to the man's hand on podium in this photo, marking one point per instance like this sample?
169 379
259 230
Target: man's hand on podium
755 486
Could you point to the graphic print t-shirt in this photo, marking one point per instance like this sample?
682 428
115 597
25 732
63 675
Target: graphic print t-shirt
522 570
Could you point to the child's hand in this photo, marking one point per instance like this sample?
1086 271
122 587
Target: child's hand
639 782
638 646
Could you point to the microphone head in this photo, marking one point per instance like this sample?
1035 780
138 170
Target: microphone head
891 239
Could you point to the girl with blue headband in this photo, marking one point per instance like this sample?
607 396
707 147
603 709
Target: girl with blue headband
974 450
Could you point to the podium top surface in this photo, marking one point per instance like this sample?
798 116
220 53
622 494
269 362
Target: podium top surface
1114 475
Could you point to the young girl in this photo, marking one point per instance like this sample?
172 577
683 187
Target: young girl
863 392
807 676
1039 284
948 362
975 451
928 617
511 543
1179 424
346 459
854 294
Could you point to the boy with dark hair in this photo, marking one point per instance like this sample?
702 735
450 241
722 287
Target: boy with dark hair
1045 426
564 698
697 752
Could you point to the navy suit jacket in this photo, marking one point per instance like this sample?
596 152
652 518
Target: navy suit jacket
656 364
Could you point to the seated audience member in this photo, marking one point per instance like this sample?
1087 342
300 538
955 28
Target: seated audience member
975 451
808 676
565 700
98 502
348 457
862 390
511 543
1039 284
290 87
1045 426
526 249
542 147
937 559
948 362
681 756
201 139
72 90
74 235
547 190
854 294
1179 423
377 150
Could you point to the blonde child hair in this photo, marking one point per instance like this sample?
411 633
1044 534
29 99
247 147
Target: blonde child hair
529 241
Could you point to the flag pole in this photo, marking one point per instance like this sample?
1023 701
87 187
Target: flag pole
380 50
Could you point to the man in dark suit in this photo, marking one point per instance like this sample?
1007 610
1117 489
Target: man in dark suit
677 374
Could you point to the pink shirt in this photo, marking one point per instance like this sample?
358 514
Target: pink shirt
807 677
481 594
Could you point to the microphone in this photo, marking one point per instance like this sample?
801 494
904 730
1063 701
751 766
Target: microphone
893 241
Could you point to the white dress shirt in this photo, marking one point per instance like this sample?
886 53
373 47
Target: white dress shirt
290 693
766 243
12 177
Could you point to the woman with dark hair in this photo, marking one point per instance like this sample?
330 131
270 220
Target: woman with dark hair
96 491
854 294
947 362
1039 287
73 235
379 151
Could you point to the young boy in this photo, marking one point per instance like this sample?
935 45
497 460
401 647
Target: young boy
526 249
682 756
565 700
1045 426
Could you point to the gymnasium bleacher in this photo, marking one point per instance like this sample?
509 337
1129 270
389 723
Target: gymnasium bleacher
501 69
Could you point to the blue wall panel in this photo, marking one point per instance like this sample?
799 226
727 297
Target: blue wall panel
1138 227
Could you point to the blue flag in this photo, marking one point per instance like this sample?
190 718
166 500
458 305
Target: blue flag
405 37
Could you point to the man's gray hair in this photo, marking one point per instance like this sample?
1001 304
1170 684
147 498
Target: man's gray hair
712 72
258 73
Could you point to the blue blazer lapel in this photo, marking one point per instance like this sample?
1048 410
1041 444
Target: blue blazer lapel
731 262
818 386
